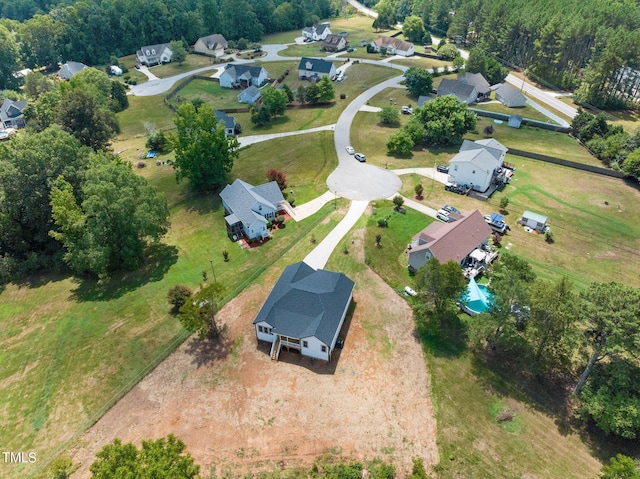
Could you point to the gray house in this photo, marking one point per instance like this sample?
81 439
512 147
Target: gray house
462 91
69 69
154 54
213 45
305 311
249 95
510 97
242 76
229 123
315 68
477 163
248 208
11 113
478 82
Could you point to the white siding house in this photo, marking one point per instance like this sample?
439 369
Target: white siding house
154 54
212 45
477 163
394 46
242 76
305 311
317 31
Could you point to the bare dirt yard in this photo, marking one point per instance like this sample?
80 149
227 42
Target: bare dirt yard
239 412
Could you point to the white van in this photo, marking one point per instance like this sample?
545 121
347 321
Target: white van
443 215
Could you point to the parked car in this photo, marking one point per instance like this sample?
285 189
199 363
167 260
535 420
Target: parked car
455 188
409 292
349 50
137 67
360 157
340 342
442 168
340 78
407 110
496 223
451 209
350 150
443 215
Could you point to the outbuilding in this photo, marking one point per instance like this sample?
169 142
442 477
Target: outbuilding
534 221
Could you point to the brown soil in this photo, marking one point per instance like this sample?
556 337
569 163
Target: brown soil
240 412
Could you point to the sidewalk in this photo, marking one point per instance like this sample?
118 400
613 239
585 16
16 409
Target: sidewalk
320 255
250 140
311 207
427 172
414 205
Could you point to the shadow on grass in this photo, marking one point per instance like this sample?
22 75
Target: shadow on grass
160 258
443 338
203 202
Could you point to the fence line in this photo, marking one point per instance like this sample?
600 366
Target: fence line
571 164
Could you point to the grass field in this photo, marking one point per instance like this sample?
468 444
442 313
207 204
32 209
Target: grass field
209 92
421 62
526 112
191 63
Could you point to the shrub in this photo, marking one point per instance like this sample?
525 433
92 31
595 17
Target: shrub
178 295
419 189
382 222
548 235
398 201
279 177
279 220
488 130
225 256
504 202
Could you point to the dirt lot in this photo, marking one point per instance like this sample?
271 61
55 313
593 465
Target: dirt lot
238 411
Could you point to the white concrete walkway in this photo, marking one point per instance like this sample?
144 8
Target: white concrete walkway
414 205
427 172
250 140
145 71
312 207
320 255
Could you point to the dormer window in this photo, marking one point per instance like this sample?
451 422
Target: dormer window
148 52
153 51
309 66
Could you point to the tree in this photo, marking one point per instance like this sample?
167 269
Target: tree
119 100
415 130
398 201
379 241
419 81
413 28
504 202
178 295
30 164
400 143
448 51
259 116
477 61
95 82
389 115
279 177
386 15
178 52
106 226
445 120
439 287
81 114
159 459
326 89
631 165
495 73
620 467
274 102
458 62
419 189
203 154
43 112
9 55
611 312
199 314
287 89
35 84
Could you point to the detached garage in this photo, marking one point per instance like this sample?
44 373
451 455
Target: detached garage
534 221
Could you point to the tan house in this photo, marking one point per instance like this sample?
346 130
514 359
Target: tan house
212 45
334 43
456 241
394 46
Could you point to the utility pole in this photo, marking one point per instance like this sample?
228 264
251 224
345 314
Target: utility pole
214 273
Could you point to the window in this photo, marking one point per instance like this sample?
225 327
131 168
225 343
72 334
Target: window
455 168
305 344
260 329
473 172
259 207
324 348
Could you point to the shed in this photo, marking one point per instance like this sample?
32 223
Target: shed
535 221
510 97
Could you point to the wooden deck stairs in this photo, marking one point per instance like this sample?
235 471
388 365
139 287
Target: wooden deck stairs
275 349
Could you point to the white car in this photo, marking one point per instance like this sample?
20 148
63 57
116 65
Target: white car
409 292
350 150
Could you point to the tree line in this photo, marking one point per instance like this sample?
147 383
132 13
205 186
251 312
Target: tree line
91 31
549 332
591 46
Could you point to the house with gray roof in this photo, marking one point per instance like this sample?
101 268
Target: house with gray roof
510 97
335 43
315 68
462 91
154 54
455 241
305 311
479 82
248 208
229 123
242 76
212 45
478 163
69 69
11 113
317 31
249 95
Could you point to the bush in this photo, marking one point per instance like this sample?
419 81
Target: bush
398 201
419 189
178 295
488 130
279 220
225 256
504 202
548 235
382 222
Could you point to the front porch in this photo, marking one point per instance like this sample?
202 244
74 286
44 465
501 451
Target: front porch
283 341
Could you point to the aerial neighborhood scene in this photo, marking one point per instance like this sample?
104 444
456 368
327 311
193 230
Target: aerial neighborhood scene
292 239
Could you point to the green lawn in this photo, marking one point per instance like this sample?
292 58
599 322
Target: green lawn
421 62
305 50
308 179
144 110
191 63
210 92
526 112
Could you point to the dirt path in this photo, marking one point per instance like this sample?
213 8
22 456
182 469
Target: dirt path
238 411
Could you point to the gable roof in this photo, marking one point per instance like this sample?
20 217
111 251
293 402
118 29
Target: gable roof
158 49
483 157
213 42
509 94
229 121
12 109
461 90
453 241
318 27
243 71
538 218
250 92
307 303
317 65
241 198
492 143
383 41
333 39
71 68
476 80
